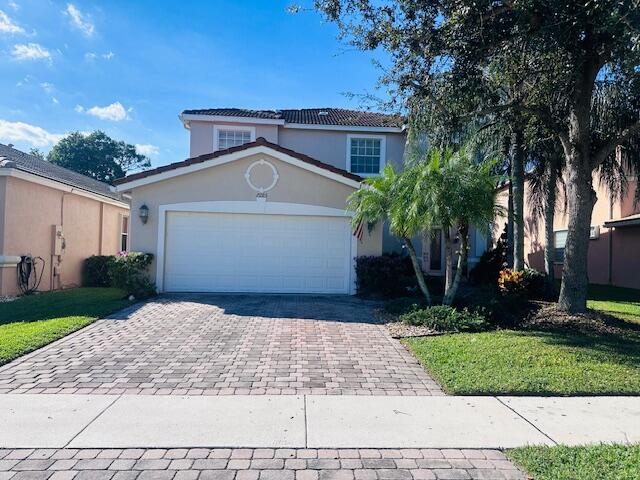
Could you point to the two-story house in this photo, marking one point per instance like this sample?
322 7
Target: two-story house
260 205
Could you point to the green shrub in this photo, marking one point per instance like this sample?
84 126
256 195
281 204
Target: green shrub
128 272
398 306
534 283
446 319
498 309
388 275
95 271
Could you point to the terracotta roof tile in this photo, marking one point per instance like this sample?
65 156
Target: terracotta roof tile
311 116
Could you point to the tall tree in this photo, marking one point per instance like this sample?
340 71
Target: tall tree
454 191
97 155
567 47
385 198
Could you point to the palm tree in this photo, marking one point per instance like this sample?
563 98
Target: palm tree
385 198
454 191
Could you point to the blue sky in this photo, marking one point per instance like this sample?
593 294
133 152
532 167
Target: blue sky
130 67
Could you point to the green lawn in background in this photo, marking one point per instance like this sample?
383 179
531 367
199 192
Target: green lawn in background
623 303
598 462
33 321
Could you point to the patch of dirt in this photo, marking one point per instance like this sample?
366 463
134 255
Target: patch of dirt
547 317
402 330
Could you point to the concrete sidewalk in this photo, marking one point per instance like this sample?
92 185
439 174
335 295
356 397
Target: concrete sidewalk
313 421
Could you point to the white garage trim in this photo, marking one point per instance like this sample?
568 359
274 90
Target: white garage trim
248 207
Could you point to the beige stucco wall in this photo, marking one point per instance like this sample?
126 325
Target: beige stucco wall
613 257
202 140
227 183
330 146
90 227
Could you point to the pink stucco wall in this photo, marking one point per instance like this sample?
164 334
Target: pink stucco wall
30 211
613 257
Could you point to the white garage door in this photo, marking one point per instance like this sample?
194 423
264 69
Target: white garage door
227 252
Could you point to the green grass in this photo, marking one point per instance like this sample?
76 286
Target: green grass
623 303
36 320
598 462
531 363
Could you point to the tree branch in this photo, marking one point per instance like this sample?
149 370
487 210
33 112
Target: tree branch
608 148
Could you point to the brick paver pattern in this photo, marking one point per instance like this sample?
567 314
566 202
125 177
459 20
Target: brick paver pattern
225 345
255 464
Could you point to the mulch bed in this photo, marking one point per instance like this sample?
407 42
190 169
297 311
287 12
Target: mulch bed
545 316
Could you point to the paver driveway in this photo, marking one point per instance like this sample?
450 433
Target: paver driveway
232 344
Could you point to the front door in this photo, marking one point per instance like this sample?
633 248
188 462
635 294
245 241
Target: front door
433 262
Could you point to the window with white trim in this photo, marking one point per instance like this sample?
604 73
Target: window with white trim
124 234
366 154
559 242
227 137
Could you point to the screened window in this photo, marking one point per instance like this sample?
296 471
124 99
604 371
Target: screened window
560 240
365 155
232 138
124 234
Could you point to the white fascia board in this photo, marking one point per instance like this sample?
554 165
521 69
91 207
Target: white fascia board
188 117
47 182
214 162
344 128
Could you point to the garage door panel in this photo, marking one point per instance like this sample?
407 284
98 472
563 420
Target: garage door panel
222 252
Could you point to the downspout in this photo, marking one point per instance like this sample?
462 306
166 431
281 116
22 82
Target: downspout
101 228
610 262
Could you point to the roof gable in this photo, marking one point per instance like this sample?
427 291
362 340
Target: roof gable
234 153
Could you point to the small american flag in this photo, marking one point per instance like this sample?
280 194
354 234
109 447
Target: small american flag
359 231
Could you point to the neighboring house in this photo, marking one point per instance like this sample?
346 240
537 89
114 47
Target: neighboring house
614 248
61 216
261 204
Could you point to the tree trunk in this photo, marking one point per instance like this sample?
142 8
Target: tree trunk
418 270
517 176
448 258
549 215
506 145
580 201
450 293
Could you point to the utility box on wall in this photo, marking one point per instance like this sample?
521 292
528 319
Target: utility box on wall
58 240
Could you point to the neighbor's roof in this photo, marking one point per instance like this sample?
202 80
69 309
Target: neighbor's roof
32 164
310 116
260 141
630 221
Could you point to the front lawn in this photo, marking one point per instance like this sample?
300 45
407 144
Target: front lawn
598 462
33 321
623 303
532 363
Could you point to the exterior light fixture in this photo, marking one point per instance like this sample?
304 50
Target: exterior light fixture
143 213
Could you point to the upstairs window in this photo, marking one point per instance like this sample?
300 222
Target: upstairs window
365 154
227 137
559 240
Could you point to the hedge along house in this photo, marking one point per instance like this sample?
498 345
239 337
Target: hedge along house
56 216
261 204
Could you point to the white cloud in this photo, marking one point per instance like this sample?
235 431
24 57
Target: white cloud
108 56
147 149
24 132
114 112
80 21
55 100
30 51
47 87
7 25
90 56
13 5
